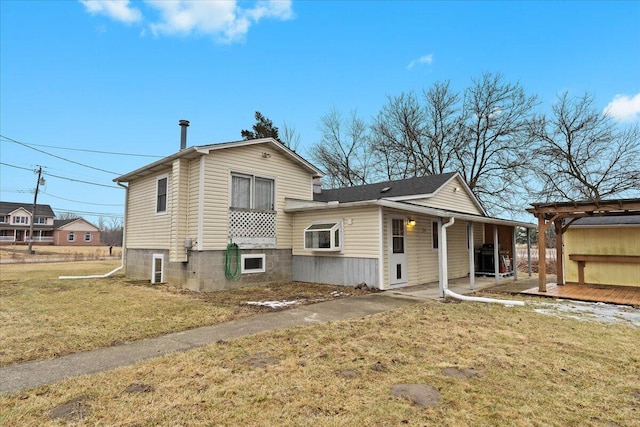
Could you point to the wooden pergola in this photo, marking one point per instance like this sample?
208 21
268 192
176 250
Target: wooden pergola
561 215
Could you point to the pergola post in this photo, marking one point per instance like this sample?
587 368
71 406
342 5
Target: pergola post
559 260
542 254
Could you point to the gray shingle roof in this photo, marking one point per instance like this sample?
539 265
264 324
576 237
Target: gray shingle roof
41 210
402 187
608 220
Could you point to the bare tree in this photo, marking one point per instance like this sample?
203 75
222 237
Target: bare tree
582 154
67 215
111 233
343 150
494 153
290 137
398 138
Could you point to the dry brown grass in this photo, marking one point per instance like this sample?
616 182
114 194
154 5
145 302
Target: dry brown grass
18 253
538 370
43 317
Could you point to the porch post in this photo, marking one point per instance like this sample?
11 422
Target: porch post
442 261
514 261
472 266
529 250
542 254
496 254
559 260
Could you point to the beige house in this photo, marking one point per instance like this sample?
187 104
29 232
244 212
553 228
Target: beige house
75 232
225 215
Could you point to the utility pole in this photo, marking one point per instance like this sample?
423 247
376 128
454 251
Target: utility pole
33 210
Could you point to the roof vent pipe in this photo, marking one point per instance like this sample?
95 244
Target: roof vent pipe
184 124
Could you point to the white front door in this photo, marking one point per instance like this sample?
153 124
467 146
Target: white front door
397 252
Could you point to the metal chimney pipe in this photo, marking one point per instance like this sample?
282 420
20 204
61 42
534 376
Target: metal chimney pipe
184 124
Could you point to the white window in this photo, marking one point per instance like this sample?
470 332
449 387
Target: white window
326 236
252 192
71 237
3 218
40 220
21 220
87 237
157 268
161 194
253 263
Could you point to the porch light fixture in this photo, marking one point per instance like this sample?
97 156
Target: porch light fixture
411 222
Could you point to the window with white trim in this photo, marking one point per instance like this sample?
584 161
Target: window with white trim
157 268
87 237
326 236
252 192
20 220
162 189
40 220
3 218
71 237
252 263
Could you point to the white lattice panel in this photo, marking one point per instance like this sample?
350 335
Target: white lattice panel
250 223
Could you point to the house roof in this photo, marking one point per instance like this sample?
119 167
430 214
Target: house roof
197 151
61 223
422 185
607 221
7 208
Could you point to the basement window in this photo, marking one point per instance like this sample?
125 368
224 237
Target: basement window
253 263
324 237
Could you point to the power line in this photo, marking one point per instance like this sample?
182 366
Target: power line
58 157
62 177
84 203
113 153
112 215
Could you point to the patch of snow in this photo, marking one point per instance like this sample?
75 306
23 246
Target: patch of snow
273 304
596 312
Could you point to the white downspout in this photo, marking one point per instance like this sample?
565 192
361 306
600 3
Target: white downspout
444 266
445 277
124 240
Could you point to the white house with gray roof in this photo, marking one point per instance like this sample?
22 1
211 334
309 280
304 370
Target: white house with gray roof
230 214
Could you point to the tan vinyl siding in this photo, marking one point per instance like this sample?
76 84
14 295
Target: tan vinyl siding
603 241
291 180
422 258
458 255
360 237
178 196
146 228
193 199
447 198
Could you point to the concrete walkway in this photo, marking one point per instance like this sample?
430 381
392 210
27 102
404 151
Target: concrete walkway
34 374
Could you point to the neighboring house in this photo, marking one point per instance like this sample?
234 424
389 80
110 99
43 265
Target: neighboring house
15 224
608 249
183 213
75 232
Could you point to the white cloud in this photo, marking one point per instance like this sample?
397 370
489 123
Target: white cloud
624 108
425 59
225 20
119 10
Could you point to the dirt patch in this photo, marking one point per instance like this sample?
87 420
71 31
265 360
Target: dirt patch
74 410
422 395
138 388
259 360
462 373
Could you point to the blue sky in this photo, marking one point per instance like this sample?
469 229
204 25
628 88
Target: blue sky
117 76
